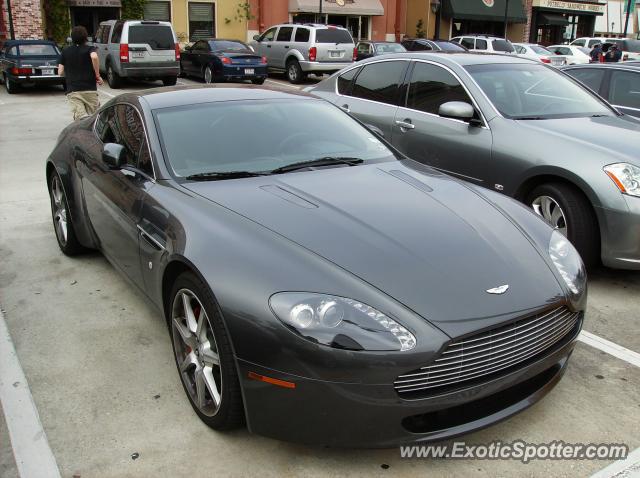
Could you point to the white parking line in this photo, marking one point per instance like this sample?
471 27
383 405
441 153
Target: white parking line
612 349
283 84
624 468
33 456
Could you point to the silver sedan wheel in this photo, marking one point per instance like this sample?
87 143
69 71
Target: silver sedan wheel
196 352
208 76
550 210
59 210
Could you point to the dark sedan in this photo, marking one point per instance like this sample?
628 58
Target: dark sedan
422 44
367 49
223 60
29 63
618 83
317 285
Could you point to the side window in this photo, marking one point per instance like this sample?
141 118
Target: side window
481 44
625 89
13 51
105 34
380 82
564 51
455 40
284 34
302 35
269 34
345 80
579 42
432 86
98 37
363 48
592 43
423 46
200 46
591 77
122 124
117 32
467 43
520 49
102 125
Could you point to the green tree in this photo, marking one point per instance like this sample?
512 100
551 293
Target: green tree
132 9
57 24
420 33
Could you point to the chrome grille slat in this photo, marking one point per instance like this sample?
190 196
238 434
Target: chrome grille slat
491 351
505 362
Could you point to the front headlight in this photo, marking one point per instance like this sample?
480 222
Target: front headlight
626 176
340 323
568 263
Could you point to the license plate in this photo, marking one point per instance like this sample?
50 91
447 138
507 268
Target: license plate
48 71
335 54
137 54
249 71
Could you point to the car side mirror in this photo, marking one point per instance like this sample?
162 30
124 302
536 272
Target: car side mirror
375 130
457 110
256 38
113 155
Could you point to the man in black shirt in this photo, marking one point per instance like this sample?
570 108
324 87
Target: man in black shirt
80 67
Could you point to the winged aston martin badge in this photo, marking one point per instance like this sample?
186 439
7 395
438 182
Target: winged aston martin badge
498 290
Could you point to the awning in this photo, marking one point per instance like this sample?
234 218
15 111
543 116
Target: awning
94 3
345 7
484 10
552 19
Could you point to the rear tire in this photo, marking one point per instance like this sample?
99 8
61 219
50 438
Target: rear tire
573 210
295 74
208 75
203 354
182 74
114 80
10 86
258 81
170 81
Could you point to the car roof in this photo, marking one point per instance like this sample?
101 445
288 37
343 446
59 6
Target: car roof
625 65
27 42
196 94
310 25
457 58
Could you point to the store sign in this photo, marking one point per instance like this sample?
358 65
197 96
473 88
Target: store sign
574 6
94 3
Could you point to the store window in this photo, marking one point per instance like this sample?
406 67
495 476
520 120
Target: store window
202 23
157 10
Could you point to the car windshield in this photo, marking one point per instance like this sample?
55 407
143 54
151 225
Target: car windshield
448 46
260 135
540 50
390 48
228 45
502 45
531 91
333 35
38 49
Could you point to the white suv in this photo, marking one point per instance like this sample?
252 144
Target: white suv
300 49
630 48
485 43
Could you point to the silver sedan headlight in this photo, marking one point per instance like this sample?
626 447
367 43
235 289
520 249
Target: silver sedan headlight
625 176
568 263
340 322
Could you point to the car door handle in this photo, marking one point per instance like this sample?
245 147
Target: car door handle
286 46
345 108
406 124
268 46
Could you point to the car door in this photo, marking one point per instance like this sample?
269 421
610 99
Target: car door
450 145
102 44
375 93
199 57
623 91
264 45
114 197
281 47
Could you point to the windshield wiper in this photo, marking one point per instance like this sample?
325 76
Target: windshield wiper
529 117
319 162
218 175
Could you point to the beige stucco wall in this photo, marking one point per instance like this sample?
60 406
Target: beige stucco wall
227 26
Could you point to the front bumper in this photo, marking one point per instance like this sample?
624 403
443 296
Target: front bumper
621 235
324 67
373 415
150 70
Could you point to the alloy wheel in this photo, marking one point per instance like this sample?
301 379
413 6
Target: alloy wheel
59 210
207 75
549 209
196 352
292 71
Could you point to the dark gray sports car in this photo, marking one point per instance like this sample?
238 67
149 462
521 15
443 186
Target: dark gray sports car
316 283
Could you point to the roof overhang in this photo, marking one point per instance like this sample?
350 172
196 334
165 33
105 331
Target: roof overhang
484 10
344 7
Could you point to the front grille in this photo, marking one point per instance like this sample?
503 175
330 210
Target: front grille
475 358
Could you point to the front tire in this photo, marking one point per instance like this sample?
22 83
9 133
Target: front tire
258 81
295 74
62 221
208 75
114 80
203 354
567 210
170 81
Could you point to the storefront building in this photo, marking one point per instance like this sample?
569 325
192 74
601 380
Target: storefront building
559 21
365 19
612 21
89 13
27 19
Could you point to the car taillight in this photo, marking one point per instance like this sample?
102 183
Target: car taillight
177 51
124 52
313 52
545 60
21 71
226 60
264 60
355 54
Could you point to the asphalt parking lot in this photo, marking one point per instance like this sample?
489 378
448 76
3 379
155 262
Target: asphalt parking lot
99 364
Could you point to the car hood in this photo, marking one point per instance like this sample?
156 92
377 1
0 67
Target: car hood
607 134
421 237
